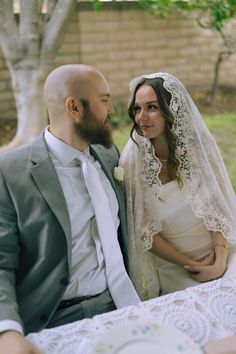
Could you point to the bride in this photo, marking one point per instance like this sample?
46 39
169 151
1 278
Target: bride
180 203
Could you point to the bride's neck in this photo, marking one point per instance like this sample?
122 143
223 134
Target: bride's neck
160 145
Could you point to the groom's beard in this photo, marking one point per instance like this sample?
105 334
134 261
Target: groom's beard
94 132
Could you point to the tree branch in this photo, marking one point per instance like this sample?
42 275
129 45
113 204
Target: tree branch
29 13
54 31
230 44
9 36
200 19
51 6
29 27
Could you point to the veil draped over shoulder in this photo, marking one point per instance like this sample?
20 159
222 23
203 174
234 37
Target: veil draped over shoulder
206 185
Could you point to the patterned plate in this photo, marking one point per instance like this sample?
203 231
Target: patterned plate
138 337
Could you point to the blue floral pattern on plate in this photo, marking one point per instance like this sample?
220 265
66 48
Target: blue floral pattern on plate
140 337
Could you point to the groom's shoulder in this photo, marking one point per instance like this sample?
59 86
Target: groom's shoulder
18 155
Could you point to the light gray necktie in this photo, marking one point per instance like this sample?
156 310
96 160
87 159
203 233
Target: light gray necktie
120 286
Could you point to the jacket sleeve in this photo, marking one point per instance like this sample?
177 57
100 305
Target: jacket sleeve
9 251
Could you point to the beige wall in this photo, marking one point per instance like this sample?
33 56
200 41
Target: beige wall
123 41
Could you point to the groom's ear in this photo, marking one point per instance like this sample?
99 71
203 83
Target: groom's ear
74 109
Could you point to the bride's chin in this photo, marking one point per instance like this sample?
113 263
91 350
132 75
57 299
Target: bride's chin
146 135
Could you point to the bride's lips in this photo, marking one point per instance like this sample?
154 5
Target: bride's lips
144 127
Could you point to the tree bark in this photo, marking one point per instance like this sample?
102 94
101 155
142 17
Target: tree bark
30 48
31 111
215 84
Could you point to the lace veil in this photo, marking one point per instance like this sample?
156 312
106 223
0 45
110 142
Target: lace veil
206 185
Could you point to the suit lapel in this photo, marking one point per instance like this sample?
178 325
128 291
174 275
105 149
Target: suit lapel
107 172
45 177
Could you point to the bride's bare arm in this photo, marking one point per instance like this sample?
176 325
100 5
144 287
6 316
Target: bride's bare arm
167 251
221 249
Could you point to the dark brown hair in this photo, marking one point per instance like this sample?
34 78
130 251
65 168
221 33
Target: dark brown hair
164 99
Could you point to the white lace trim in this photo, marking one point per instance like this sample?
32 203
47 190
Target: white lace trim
205 313
200 163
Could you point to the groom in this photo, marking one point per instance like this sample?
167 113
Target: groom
61 214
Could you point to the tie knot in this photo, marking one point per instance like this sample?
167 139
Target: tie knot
82 157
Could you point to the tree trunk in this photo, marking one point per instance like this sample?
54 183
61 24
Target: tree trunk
31 111
29 44
215 84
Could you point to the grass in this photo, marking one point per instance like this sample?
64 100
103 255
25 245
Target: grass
121 136
222 127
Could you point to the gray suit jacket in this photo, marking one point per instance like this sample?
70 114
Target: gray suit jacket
35 232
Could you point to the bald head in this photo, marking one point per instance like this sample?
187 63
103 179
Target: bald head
75 80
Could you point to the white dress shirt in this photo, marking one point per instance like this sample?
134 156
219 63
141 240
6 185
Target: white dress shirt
87 273
87 266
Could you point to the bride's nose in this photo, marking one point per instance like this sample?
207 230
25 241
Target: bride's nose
143 116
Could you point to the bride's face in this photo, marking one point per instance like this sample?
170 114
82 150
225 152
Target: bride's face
147 113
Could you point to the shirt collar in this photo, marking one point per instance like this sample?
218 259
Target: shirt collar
63 152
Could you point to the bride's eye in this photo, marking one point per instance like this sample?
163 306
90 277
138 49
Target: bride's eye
136 109
152 106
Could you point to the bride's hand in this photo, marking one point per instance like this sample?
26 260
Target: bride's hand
207 272
207 260
204 261
213 270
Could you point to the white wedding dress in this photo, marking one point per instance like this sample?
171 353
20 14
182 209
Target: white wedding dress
183 215
186 232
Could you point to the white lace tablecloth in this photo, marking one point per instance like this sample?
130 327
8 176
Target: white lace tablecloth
205 313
